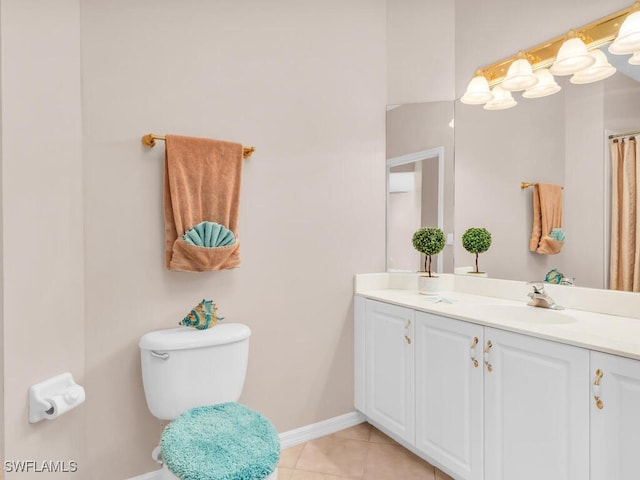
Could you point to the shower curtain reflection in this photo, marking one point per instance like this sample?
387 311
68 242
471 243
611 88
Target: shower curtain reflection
625 207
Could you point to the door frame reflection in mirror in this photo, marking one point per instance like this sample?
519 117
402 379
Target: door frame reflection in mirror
436 154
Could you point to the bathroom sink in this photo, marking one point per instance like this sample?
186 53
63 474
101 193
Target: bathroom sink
525 313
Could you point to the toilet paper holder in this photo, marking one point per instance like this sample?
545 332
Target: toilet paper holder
54 397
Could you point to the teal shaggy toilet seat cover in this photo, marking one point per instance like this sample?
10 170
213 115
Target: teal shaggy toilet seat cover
227 441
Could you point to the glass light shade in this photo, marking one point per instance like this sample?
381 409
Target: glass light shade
477 92
628 39
572 57
618 50
519 76
502 99
635 59
600 70
546 85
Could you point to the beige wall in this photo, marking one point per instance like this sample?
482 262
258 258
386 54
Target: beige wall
42 206
305 83
420 51
403 219
621 104
2 310
429 183
583 255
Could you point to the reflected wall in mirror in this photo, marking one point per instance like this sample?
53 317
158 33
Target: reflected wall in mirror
561 139
414 199
420 161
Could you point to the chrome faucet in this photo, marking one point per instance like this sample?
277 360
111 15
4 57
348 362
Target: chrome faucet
540 299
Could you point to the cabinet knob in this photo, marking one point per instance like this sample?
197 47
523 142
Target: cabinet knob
407 339
486 356
473 352
596 389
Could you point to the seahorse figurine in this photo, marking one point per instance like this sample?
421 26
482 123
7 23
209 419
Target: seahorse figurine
202 316
554 276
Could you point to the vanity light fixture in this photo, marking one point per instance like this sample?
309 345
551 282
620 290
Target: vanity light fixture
564 55
478 91
501 100
600 70
628 39
572 56
546 85
617 50
520 75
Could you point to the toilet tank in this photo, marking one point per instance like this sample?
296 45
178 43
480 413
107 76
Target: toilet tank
184 367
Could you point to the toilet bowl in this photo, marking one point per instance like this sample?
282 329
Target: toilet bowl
189 372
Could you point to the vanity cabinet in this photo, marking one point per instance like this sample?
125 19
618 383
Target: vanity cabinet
536 408
489 404
389 383
449 394
615 417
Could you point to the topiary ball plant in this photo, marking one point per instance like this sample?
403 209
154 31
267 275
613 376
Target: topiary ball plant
476 240
428 241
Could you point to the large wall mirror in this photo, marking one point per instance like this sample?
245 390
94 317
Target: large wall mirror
420 158
561 139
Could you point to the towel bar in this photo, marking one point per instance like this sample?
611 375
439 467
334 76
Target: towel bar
628 134
149 140
524 185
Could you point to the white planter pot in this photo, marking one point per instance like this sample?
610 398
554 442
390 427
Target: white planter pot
430 285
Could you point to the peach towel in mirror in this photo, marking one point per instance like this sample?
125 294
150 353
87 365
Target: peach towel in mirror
201 183
547 215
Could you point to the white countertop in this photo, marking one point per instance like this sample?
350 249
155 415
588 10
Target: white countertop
613 334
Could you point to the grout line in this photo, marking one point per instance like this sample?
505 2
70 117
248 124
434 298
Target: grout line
366 457
368 453
304 446
324 473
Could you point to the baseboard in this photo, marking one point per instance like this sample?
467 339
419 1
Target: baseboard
299 435
147 476
315 430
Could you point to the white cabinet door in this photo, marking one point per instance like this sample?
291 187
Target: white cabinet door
449 394
536 409
615 427
389 368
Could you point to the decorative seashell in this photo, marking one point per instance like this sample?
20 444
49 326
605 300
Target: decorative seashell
209 235
202 316
554 276
558 234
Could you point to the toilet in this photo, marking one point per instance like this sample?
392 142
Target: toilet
194 378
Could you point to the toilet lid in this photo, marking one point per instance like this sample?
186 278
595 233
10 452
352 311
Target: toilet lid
227 441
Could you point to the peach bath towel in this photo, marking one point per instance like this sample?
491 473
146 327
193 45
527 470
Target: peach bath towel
547 215
201 184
